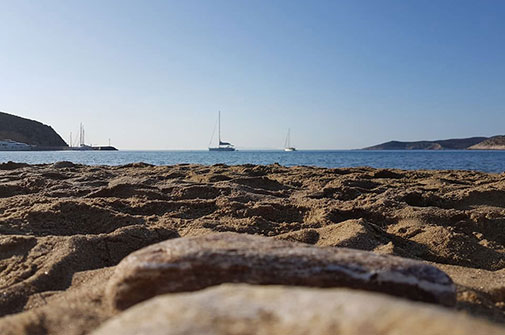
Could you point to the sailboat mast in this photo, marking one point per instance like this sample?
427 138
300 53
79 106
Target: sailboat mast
219 126
287 142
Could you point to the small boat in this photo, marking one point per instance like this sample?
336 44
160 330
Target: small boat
287 143
10 145
222 146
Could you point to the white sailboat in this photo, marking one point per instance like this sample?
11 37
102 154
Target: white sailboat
222 146
287 143
82 142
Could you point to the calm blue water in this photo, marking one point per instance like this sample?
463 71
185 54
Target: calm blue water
489 161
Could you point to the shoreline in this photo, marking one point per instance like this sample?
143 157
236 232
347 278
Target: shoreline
487 161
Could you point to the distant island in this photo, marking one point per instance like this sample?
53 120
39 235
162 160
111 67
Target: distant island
492 143
20 134
471 143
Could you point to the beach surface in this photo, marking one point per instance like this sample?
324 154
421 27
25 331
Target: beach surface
65 227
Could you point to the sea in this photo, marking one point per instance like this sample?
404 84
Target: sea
487 161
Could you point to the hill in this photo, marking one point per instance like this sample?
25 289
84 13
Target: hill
28 131
451 144
493 143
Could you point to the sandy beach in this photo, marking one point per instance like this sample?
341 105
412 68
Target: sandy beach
65 227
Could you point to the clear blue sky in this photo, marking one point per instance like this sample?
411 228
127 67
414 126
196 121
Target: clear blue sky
340 74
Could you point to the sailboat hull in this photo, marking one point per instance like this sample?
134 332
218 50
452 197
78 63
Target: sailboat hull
221 149
289 149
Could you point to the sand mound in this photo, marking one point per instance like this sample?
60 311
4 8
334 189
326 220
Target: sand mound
62 226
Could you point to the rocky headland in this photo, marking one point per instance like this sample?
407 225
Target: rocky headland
472 143
30 132
493 143
188 249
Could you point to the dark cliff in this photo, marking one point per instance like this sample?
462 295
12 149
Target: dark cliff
28 131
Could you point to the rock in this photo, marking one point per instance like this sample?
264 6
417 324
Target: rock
244 309
190 264
63 164
10 165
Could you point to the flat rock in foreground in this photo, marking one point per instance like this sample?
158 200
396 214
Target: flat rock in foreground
190 264
244 310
